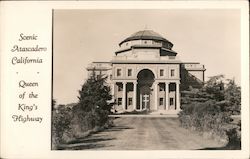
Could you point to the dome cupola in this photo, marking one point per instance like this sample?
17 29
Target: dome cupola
147 35
147 39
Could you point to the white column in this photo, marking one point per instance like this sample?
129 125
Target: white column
124 95
167 95
135 93
156 95
113 90
178 96
140 101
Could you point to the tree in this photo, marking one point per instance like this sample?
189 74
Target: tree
215 87
233 97
93 100
209 108
226 95
90 112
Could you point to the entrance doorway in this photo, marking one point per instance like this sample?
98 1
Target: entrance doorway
145 97
145 81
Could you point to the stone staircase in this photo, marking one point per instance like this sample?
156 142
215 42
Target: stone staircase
164 112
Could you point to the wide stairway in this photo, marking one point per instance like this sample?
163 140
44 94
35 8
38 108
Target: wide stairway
164 112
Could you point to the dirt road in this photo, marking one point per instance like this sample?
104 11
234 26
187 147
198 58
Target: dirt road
144 133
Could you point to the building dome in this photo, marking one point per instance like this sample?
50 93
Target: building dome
146 42
146 35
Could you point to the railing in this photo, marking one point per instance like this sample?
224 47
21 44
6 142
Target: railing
99 65
193 66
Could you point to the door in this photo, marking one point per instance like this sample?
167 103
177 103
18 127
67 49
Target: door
145 97
145 101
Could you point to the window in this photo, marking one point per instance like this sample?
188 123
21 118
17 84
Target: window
119 101
161 72
171 101
129 72
161 101
161 87
119 72
120 87
172 72
129 101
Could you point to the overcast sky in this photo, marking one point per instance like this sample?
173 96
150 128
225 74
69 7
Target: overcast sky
211 37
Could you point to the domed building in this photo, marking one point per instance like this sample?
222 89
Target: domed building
146 74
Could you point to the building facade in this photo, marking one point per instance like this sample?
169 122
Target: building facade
146 74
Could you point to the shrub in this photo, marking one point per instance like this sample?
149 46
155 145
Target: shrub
60 125
204 117
89 115
234 139
209 109
233 97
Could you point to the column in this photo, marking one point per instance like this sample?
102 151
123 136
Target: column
167 95
113 91
135 95
124 95
178 96
156 95
140 101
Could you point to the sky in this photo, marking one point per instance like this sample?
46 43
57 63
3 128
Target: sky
208 36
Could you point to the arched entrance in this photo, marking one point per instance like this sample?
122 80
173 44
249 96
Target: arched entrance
145 79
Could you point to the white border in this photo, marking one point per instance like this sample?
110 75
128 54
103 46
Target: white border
42 150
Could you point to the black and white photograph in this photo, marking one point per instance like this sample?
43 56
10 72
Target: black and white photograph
146 79
124 79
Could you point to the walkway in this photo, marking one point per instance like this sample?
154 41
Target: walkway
145 133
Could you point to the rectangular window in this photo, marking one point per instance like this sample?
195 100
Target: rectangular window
119 72
172 72
130 101
161 101
161 87
171 101
119 87
119 102
161 72
129 72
